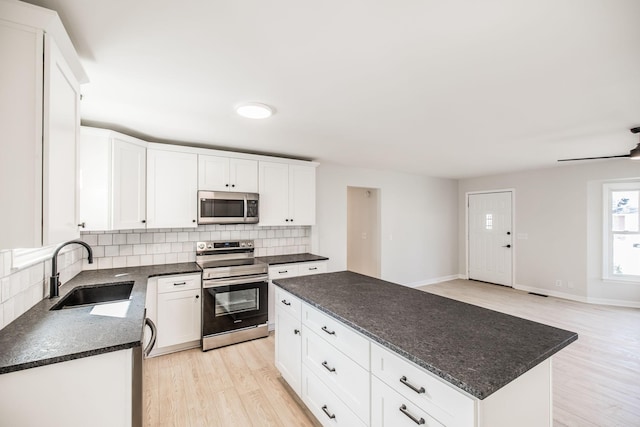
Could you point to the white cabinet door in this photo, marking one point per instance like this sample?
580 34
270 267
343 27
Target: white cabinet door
178 317
213 173
217 173
302 195
94 170
172 186
21 74
288 348
129 185
112 175
243 175
274 193
287 194
61 132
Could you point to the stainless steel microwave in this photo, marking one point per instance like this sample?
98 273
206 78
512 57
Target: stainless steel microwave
221 207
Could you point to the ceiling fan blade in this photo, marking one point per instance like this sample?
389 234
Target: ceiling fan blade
594 158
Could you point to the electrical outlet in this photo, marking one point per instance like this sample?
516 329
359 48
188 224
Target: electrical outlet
559 283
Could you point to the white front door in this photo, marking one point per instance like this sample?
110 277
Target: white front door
490 237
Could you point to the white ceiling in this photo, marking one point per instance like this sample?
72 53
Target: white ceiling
442 88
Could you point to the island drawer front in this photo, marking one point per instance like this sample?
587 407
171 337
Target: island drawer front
287 302
337 334
391 409
345 377
325 405
185 282
283 271
307 268
442 401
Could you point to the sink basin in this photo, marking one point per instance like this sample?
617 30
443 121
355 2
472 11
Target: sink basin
95 294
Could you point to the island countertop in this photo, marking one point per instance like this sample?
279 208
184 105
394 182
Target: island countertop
473 348
41 337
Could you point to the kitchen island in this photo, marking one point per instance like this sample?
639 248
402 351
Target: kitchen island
499 366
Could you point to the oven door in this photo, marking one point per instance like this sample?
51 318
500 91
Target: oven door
230 304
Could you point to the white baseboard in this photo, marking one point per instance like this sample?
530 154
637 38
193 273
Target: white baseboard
433 281
578 298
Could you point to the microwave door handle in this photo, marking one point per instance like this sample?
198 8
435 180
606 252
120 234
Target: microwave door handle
245 207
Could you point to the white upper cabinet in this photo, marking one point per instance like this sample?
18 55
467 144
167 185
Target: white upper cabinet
287 194
40 104
112 169
217 173
172 187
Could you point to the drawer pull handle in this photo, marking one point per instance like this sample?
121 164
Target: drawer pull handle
283 271
313 268
180 284
329 414
324 328
326 366
285 302
404 381
403 409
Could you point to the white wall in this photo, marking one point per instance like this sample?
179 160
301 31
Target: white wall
418 216
560 209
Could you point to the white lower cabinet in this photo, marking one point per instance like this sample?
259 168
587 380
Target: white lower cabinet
325 405
422 389
344 377
288 342
391 409
282 271
177 311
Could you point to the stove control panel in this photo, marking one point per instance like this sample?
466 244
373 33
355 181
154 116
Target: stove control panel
224 245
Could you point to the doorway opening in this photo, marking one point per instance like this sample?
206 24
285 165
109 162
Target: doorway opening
363 230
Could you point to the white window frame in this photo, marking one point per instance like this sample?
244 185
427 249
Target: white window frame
607 235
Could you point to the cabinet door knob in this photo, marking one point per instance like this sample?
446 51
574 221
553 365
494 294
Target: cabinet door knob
144 221
226 185
296 331
197 296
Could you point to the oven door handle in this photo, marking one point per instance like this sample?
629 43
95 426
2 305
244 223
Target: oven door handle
213 283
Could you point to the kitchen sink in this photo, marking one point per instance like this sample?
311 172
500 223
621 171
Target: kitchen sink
95 294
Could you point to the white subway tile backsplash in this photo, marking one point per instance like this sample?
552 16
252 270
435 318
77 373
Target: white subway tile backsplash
126 250
146 259
105 239
159 237
119 239
106 262
133 238
119 261
139 249
133 261
171 237
183 236
159 259
171 258
111 251
146 237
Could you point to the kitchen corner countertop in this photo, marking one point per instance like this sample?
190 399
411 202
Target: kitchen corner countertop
41 337
290 259
475 349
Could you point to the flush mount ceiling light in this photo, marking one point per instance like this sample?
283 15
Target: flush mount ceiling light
255 110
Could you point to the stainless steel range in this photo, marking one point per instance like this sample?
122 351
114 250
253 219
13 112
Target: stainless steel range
235 292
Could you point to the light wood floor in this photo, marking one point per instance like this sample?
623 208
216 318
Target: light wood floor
596 380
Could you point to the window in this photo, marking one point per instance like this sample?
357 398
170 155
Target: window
621 240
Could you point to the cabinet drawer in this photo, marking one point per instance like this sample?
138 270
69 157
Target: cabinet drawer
339 335
325 405
283 271
307 268
441 401
391 409
179 283
348 380
288 303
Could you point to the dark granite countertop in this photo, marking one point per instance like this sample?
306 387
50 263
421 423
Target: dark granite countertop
290 259
42 337
475 349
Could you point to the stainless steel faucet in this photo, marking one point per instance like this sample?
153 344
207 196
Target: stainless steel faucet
54 281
